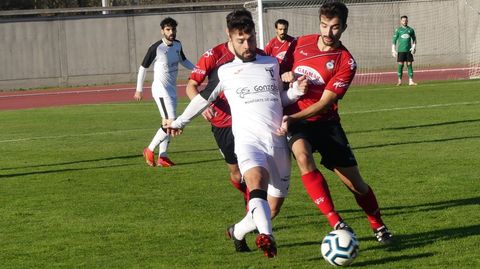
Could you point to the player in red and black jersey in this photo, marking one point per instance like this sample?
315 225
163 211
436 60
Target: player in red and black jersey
278 46
313 122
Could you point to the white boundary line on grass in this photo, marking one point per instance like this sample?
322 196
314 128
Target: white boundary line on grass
132 130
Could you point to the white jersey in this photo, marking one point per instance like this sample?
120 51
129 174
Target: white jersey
253 92
165 59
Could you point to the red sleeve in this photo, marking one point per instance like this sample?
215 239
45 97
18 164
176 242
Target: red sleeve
344 75
269 47
288 59
205 64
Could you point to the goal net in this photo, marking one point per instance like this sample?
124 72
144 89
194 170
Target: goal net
447 31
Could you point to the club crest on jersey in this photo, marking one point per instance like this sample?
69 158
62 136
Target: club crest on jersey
270 70
312 74
330 65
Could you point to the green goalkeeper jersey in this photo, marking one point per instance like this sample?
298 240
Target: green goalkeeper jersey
404 35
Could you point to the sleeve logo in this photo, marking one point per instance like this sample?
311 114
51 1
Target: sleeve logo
352 63
208 53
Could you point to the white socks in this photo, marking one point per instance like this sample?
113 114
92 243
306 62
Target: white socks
157 139
258 216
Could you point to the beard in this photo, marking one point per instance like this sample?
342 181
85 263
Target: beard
246 56
328 40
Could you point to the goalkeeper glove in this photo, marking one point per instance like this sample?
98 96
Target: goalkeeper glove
412 49
394 52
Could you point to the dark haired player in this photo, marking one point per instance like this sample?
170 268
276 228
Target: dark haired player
313 122
165 55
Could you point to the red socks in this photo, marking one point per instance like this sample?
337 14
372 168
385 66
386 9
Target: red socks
369 204
317 189
242 187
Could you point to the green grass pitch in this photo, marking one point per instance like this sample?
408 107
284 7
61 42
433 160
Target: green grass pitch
76 193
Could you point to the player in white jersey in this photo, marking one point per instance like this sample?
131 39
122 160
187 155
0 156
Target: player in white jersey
165 55
254 90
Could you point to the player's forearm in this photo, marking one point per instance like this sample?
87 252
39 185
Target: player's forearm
187 64
142 72
320 107
192 89
313 110
195 107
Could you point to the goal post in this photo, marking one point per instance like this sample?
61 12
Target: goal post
447 31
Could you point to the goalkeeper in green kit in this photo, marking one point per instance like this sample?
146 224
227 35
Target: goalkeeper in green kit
403 48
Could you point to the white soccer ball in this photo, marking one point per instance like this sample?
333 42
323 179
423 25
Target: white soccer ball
340 247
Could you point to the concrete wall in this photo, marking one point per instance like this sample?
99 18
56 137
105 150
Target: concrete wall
109 49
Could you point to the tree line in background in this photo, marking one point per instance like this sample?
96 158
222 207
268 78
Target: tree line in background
44 4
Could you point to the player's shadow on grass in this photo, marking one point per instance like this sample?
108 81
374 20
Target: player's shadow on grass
133 156
414 126
61 170
417 142
387 260
418 240
428 207
390 259
315 218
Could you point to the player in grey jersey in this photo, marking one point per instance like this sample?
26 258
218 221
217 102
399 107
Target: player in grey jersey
165 55
254 90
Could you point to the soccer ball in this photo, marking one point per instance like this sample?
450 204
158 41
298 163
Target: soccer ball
340 247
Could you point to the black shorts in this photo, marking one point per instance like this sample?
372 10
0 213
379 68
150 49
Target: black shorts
226 143
328 139
405 57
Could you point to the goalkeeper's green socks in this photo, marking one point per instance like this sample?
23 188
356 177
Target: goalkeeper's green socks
400 71
410 71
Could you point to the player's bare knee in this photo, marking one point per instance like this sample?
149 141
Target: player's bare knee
303 159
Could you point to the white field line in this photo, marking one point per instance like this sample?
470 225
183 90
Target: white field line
205 125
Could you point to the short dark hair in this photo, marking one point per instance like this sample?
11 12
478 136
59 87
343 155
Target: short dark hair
335 9
168 22
240 20
237 13
281 21
404 16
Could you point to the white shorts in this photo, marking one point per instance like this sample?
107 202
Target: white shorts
276 160
166 105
